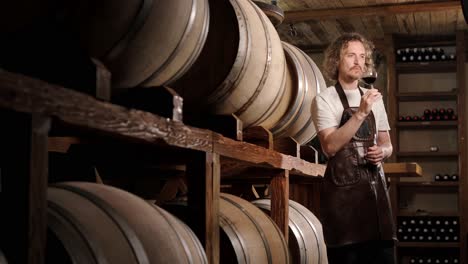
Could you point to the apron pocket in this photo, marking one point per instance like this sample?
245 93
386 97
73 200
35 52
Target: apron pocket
344 169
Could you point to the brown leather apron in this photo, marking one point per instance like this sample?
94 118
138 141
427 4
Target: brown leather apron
354 202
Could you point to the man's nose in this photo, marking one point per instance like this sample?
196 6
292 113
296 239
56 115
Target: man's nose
356 60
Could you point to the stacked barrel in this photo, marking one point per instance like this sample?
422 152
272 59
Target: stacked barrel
223 57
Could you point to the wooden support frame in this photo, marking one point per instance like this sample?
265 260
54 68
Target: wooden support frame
92 121
23 191
203 196
279 189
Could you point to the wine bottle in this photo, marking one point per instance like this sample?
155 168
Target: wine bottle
453 117
446 177
401 119
452 56
429 238
415 52
412 260
437 177
407 118
442 111
422 54
430 52
434 111
399 55
434 57
415 118
406 55
436 54
427 112
429 223
450 111
454 177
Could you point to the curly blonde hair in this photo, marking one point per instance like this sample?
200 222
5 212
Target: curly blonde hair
333 53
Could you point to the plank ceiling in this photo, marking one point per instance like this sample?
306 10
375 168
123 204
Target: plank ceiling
312 24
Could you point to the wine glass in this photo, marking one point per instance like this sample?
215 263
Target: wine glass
370 76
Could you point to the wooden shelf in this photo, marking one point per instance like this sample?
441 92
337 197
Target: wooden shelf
413 85
413 213
425 67
428 244
440 154
402 169
429 184
428 124
25 94
426 96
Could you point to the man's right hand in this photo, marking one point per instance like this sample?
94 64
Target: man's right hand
367 100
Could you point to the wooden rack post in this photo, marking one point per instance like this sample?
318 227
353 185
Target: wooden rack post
23 186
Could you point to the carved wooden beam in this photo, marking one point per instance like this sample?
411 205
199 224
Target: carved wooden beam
378 10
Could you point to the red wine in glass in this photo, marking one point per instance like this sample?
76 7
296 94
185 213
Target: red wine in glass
369 79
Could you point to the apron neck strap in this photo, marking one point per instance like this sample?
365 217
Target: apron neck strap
342 95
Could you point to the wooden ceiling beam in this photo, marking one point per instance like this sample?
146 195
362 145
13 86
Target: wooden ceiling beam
378 43
377 10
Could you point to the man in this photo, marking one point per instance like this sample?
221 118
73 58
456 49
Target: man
353 129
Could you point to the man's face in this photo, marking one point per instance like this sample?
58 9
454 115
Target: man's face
352 60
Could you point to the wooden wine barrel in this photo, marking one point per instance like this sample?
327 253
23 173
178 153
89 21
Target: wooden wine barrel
96 223
143 42
306 242
241 70
307 81
253 235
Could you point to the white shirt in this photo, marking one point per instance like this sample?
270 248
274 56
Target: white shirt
327 109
